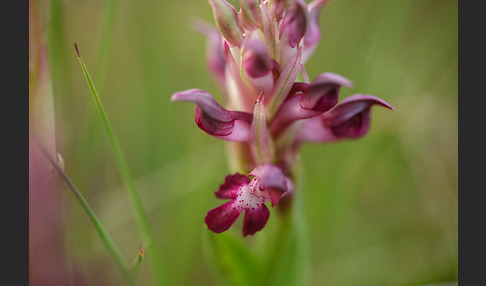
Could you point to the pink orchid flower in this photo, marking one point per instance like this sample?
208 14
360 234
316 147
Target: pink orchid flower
265 183
256 54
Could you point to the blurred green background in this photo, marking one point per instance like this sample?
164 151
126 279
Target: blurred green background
381 210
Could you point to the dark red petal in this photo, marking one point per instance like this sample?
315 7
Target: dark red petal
211 125
255 219
298 87
322 93
275 196
231 185
222 217
354 127
214 119
351 106
349 119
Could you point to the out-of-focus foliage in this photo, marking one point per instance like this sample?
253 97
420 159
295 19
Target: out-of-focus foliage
381 210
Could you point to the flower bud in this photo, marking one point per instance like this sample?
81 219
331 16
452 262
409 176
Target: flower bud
256 61
260 139
284 83
278 8
250 14
227 21
294 25
257 65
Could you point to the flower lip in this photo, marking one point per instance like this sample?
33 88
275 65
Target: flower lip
232 183
222 218
255 219
266 182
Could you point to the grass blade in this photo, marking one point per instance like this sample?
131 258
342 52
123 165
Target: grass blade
105 237
153 255
104 48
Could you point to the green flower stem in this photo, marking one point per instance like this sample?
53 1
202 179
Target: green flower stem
105 237
287 262
153 254
300 221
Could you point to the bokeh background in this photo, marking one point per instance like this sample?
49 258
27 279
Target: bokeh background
381 210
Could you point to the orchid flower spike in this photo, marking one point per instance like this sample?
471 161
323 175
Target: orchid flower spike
256 54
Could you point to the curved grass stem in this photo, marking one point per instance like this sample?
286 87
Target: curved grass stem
105 237
153 255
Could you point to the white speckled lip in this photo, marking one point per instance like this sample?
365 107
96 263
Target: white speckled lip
250 196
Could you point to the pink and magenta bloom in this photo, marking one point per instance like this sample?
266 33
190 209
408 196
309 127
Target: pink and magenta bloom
257 54
265 183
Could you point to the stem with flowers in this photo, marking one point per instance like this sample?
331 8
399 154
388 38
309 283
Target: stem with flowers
256 55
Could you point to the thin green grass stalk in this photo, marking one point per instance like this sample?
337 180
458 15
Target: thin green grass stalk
104 48
141 218
105 237
57 53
